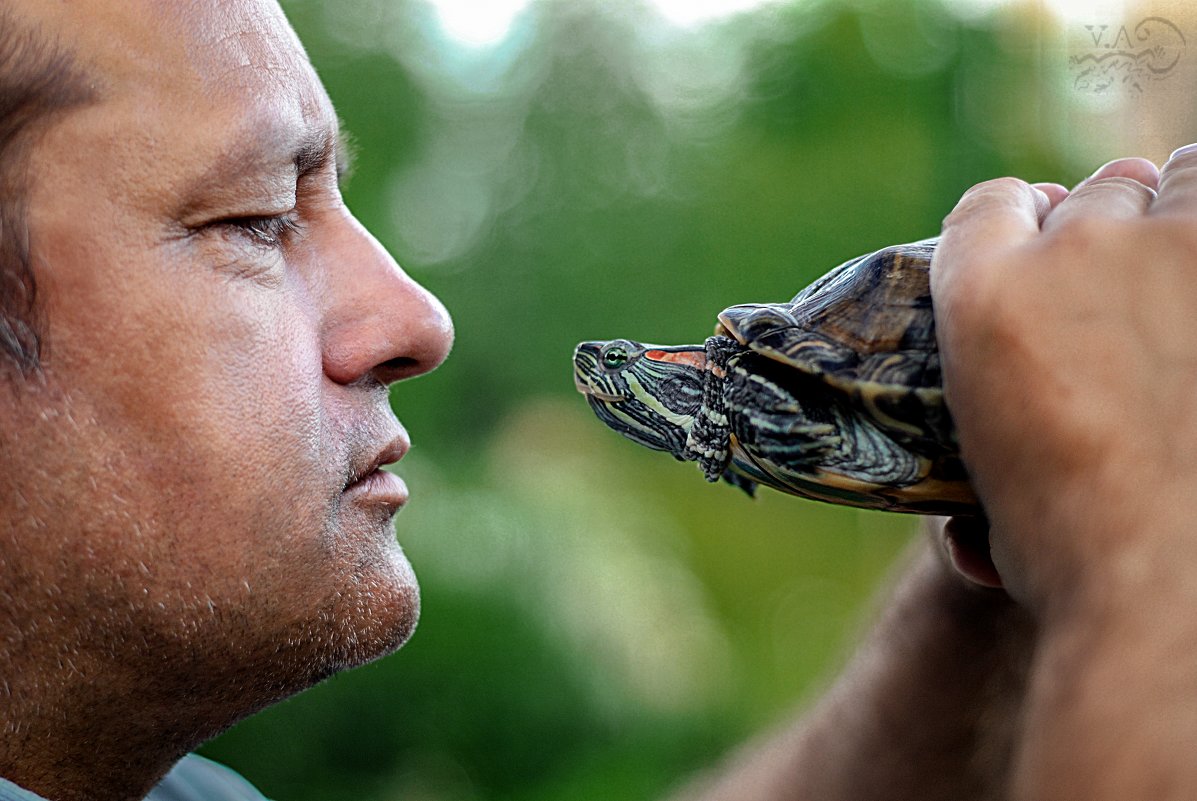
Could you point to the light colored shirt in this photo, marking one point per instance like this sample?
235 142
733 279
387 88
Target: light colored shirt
10 792
192 779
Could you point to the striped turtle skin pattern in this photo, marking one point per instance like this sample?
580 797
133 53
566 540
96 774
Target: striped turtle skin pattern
835 396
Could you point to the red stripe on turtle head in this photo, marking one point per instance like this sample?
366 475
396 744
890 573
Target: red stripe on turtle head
694 358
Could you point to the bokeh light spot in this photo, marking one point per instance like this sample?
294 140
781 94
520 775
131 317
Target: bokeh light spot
687 13
478 24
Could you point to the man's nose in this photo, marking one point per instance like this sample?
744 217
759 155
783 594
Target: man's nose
377 320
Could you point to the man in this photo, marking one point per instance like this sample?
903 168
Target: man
193 521
193 525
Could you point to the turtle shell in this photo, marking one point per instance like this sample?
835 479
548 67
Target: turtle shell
866 331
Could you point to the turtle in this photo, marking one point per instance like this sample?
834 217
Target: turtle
836 395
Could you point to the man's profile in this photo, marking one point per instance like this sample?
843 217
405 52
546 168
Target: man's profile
194 521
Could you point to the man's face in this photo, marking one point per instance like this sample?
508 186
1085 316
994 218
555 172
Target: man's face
221 331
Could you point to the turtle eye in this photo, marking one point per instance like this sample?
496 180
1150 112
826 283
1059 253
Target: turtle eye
614 358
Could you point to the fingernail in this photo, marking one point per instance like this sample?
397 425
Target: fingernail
1183 151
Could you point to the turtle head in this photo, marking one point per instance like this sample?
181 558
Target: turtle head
648 393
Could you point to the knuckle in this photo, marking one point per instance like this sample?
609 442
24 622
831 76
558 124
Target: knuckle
1133 168
1179 168
997 195
1116 184
1005 188
1185 156
1006 185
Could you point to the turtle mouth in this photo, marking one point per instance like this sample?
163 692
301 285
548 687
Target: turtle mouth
590 392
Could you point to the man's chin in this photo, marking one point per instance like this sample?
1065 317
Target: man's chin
373 616
348 602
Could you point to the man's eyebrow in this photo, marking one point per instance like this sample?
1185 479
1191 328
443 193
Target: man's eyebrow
256 159
318 149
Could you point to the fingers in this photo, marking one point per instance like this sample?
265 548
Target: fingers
1136 169
967 540
992 216
963 543
1001 212
1178 184
1014 206
1121 189
1055 192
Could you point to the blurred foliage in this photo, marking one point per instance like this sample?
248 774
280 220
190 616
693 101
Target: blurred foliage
597 621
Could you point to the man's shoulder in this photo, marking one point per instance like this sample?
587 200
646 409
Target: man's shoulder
199 779
11 792
192 779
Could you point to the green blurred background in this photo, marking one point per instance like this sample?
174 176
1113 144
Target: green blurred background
598 622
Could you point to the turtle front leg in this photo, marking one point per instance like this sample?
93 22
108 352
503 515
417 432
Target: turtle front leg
708 439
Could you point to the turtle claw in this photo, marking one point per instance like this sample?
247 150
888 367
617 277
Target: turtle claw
737 480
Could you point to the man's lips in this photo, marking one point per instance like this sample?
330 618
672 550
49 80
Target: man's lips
379 488
372 484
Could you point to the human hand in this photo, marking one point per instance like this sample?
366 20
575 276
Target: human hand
1069 339
1068 328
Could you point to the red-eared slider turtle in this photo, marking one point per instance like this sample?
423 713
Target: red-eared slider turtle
835 396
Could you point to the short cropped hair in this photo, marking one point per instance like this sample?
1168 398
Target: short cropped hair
38 79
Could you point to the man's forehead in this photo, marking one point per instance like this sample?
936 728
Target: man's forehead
240 45
203 50
211 86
